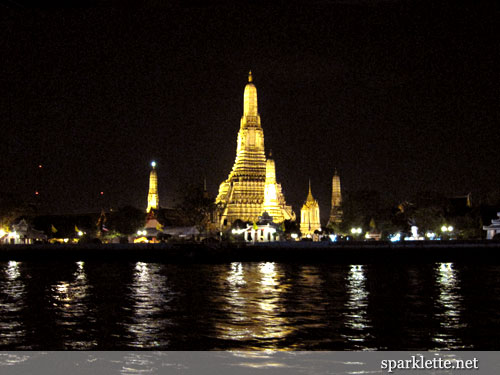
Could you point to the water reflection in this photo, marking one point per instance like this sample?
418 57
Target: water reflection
254 305
356 316
449 307
139 363
12 304
150 297
72 310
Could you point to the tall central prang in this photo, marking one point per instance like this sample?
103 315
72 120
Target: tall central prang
241 196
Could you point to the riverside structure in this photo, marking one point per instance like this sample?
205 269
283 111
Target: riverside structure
251 188
153 199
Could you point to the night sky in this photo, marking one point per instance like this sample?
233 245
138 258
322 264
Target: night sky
399 97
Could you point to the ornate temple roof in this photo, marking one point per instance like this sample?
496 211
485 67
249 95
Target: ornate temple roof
310 201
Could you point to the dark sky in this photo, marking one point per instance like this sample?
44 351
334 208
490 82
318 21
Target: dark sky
399 96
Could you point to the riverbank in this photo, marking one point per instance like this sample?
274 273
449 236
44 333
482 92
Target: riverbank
299 252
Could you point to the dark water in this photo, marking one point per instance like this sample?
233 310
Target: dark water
107 306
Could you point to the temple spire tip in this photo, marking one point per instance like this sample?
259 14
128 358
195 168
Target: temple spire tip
250 79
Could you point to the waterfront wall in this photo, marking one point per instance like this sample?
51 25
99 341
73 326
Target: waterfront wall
302 252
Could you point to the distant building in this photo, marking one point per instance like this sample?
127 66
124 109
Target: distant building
243 195
23 233
460 205
309 216
493 229
274 201
153 199
336 213
264 230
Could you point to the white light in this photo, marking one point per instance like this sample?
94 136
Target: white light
353 230
139 232
444 228
396 237
367 235
294 235
153 164
333 237
80 233
2 233
450 229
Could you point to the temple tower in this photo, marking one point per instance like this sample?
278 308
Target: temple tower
242 195
336 210
274 200
309 215
153 200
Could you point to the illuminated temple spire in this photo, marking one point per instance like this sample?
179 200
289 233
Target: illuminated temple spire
336 210
153 200
242 195
274 200
309 215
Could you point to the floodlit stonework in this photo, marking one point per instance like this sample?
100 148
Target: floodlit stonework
153 200
336 210
309 216
251 184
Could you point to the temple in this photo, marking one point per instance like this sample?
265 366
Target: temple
493 230
309 216
274 200
251 187
336 210
153 200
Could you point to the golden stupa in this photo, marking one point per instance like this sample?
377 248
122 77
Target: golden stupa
309 215
336 212
251 188
153 199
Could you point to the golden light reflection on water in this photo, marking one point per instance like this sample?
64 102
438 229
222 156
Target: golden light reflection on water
12 304
356 315
151 297
71 307
254 304
449 307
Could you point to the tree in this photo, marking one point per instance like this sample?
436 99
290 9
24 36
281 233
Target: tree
196 207
291 227
429 218
12 208
127 220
